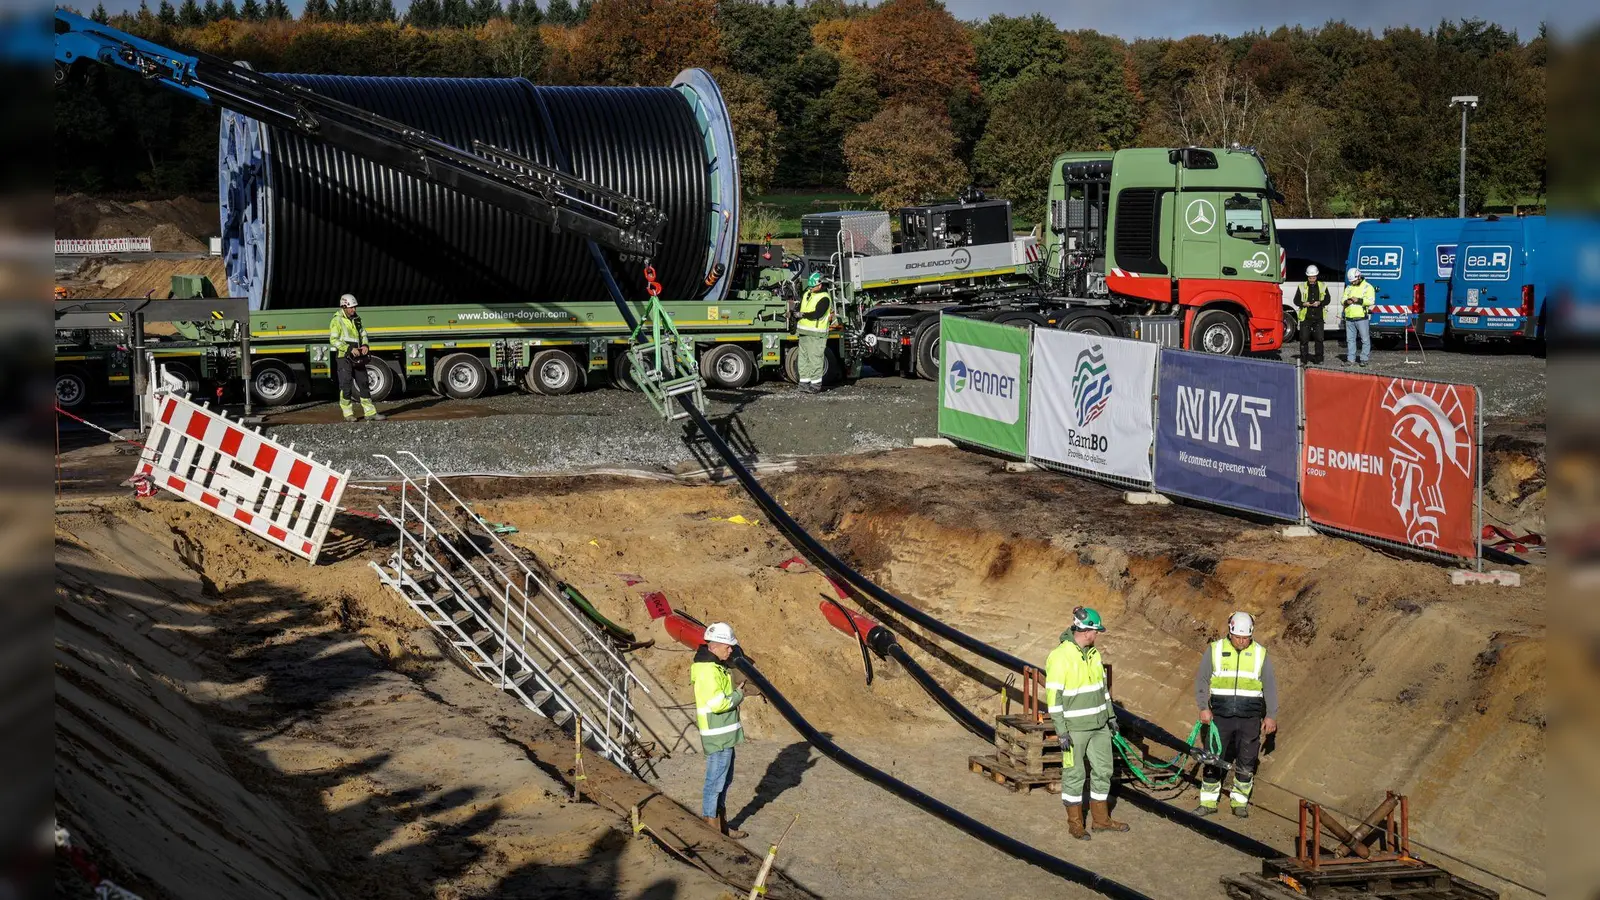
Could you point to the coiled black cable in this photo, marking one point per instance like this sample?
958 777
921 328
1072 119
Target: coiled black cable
339 223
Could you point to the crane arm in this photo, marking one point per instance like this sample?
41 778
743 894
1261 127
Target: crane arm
497 176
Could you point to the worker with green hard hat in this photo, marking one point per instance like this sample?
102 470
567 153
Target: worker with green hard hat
1079 702
811 326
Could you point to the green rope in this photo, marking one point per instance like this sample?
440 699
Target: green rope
1213 744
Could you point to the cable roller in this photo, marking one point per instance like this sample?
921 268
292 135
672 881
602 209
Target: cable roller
303 222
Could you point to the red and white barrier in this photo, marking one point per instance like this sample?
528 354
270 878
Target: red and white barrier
103 245
206 458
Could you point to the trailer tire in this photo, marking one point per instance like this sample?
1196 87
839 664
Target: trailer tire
382 380
72 388
622 373
925 352
553 372
728 366
1089 323
460 376
1217 331
273 383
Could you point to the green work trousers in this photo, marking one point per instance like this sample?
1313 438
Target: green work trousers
813 356
1091 758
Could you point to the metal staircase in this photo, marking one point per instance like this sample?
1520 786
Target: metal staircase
502 611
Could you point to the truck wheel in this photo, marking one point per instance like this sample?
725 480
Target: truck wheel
460 376
1217 331
72 389
382 382
791 364
1089 325
622 373
833 366
273 383
191 382
728 366
1291 327
926 349
553 372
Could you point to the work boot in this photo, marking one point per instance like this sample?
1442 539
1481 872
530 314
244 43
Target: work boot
1242 812
1102 817
736 834
1204 811
376 417
1075 821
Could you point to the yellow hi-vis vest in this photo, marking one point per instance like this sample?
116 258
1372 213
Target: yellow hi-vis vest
1075 688
1236 686
1363 292
814 311
344 333
716 703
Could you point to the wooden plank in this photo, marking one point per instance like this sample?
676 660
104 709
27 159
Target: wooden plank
1000 772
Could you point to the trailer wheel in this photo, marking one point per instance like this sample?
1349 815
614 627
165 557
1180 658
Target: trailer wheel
1088 324
925 346
1291 326
72 389
553 372
1217 331
728 366
460 376
622 373
273 383
382 381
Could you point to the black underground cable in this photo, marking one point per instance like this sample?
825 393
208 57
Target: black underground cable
954 817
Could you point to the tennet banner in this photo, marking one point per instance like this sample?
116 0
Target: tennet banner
1380 260
1227 432
1090 406
983 384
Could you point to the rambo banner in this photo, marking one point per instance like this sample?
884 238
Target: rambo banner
1090 406
1394 458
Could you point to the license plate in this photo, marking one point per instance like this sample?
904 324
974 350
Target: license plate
1467 320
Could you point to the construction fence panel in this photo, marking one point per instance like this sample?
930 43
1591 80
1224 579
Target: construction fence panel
984 384
1393 459
1090 407
204 457
1228 432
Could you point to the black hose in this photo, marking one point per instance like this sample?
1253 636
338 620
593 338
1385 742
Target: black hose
957 710
1005 843
342 223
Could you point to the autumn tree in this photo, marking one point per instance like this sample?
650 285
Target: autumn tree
1301 145
1215 108
904 154
514 51
755 130
1039 119
1011 48
646 42
916 51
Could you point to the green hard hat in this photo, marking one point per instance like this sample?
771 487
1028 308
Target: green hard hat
814 280
1086 619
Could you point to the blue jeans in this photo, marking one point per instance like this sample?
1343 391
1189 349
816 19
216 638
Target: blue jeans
719 774
1354 328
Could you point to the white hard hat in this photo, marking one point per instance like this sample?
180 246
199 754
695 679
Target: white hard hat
1313 270
1352 274
1241 624
721 633
347 300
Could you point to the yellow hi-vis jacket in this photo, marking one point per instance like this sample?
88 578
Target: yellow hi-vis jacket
1075 687
1238 687
716 703
814 307
1362 292
345 332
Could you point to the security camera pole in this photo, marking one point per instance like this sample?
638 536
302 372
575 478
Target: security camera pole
1465 102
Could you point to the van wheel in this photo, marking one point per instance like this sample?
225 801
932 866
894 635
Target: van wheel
460 376
1217 331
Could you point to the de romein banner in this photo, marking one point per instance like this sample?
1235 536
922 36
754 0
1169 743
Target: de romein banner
1392 457
1228 432
1090 406
983 384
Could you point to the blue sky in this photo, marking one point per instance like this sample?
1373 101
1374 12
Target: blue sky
1165 18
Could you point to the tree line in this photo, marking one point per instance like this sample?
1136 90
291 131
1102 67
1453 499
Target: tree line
900 101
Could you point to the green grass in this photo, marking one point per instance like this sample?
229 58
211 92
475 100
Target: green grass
789 207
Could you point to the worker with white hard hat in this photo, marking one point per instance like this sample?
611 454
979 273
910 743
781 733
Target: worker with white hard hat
1359 299
1310 300
716 712
1237 690
348 338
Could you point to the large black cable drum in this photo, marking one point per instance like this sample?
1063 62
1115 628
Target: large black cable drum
304 222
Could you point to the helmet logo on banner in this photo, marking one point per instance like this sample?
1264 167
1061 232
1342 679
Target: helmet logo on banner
958 377
1091 385
1431 435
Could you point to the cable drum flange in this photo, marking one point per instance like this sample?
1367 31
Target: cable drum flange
304 222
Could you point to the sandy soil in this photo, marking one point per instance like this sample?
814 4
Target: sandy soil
182 224
105 278
330 738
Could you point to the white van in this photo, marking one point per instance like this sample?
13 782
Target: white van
1324 243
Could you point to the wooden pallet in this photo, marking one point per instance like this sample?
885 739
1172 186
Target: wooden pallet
1018 782
1412 880
1028 746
